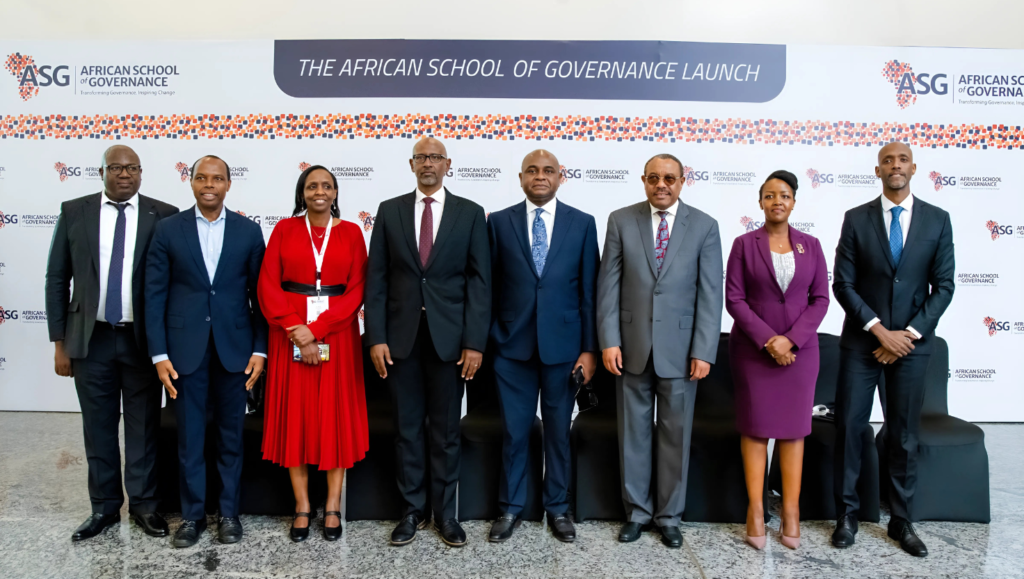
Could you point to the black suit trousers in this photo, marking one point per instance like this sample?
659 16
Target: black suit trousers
116 372
424 386
859 373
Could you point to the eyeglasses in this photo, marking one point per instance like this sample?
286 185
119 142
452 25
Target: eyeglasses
670 180
420 159
117 169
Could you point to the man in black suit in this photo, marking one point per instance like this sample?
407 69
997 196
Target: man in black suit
894 279
428 312
99 337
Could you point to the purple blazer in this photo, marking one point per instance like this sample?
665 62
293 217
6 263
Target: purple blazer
756 302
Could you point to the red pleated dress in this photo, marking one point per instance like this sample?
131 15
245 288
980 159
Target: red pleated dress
314 414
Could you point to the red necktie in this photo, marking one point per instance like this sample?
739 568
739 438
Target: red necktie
426 231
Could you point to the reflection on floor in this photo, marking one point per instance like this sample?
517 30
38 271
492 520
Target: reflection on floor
43 497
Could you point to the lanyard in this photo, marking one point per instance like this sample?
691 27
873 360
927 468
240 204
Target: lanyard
318 256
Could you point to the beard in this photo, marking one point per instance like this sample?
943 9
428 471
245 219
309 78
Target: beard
428 179
897 182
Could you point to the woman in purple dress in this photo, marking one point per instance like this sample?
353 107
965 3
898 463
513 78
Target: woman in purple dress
776 290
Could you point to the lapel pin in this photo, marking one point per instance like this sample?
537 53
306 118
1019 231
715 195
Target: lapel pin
799 248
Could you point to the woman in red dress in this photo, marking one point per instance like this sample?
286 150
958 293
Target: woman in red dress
315 410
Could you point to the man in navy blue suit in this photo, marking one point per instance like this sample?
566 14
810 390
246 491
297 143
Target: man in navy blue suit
544 262
207 337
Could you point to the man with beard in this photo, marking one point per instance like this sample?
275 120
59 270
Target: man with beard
894 279
428 312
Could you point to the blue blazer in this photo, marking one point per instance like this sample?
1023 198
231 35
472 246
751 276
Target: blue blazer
553 313
182 306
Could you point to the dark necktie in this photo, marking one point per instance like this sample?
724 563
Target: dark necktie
661 243
113 309
426 231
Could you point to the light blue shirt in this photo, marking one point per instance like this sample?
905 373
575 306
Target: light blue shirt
211 239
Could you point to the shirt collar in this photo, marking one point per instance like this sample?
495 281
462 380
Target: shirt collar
907 205
438 196
549 207
221 217
671 210
130 203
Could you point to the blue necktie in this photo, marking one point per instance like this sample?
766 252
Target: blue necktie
540 242
113 308
896 235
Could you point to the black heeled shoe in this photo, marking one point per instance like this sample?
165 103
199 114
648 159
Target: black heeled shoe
332 533
299 535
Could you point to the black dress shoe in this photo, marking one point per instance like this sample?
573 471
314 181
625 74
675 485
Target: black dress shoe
299 535
94 525
451 533
188 533
845 534
332 533
405 532
562 527
631 532
153 524
901 530
229 530
502 529
671 536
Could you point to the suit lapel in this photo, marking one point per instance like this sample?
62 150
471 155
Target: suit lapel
563 221
146 222
644 222
915 230
407 217
518 220
449 216
91 208
875 216
191 233
678 228
765 250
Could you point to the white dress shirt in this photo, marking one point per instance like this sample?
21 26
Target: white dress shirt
108 221
670 219
547 215
436 209
908 209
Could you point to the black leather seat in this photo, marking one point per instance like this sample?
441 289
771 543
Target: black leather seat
952 463
595 487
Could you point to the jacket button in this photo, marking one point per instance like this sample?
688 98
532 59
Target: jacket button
657 292
213 292
782 301
897 280
207 318
424 280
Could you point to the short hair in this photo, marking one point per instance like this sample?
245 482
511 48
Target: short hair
782 175
300 192
192 171
666 157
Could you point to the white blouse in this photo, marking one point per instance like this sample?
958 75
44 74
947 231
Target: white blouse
785 268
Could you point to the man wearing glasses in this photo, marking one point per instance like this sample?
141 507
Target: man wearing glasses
428 312
99 337
659 315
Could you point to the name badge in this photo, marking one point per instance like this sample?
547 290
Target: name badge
316 305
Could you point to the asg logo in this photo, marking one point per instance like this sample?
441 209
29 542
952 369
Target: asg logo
65 172
366 220
304 165
8 219
30 76
995 326
909 85
184 171
569 173
7 315
749 224
692 175
819 179
940 180
996 230
254 218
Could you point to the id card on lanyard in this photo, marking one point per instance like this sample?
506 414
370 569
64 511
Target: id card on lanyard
316 305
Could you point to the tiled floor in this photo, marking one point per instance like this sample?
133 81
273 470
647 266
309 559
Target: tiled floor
43 498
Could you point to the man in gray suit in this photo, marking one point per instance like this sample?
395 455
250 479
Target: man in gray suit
659 314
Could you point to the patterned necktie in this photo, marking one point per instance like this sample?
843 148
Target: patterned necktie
540 242
113 309
896 235
661 243
426 231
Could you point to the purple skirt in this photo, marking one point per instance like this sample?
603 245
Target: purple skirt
773 401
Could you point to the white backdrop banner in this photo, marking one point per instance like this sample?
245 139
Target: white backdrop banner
732 113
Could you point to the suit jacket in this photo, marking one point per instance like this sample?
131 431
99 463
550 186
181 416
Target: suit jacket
553 313
454 287
869 285
756 302
677 313
75 254
182 306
